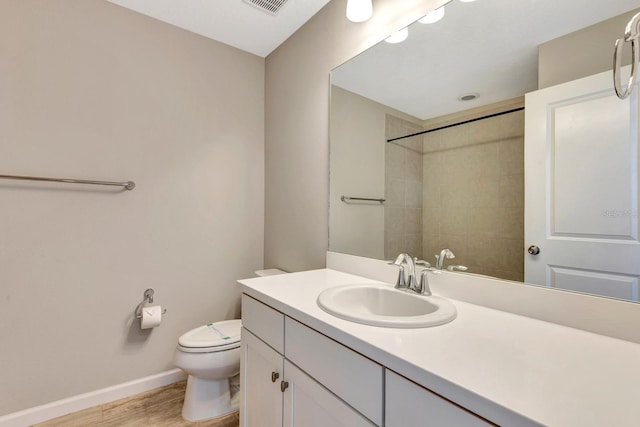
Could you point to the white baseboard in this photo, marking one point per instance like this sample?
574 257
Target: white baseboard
77 403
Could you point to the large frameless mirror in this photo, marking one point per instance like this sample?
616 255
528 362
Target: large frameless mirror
434 145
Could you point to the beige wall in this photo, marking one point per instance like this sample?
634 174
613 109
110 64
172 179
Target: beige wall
358 154
91 90
297 126
582 53
357 170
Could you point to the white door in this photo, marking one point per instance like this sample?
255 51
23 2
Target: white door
261 369
308 404
581 188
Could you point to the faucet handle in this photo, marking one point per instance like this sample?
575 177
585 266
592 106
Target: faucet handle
422 262
424 282
401 283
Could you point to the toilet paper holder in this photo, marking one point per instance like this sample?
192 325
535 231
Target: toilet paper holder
148 299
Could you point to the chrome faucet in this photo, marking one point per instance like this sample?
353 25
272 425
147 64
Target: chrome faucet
406 279
445 253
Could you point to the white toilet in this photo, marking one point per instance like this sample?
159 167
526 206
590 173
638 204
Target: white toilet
210 355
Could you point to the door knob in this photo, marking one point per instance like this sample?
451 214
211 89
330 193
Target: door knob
533 250
274 376
284 385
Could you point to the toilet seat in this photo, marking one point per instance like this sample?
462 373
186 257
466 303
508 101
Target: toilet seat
212 337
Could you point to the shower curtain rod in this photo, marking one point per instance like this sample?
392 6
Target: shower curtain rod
457 124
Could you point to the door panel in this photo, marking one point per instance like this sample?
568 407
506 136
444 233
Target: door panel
261 398
595 282
589 168
308 404
408 404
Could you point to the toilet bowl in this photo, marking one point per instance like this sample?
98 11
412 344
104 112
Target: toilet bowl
210 355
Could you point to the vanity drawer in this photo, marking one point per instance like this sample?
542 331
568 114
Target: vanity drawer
408 404
264 322
353 378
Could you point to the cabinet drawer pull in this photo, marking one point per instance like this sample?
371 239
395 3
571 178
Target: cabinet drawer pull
274 376
284 385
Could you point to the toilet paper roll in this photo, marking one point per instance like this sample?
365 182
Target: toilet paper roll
151 316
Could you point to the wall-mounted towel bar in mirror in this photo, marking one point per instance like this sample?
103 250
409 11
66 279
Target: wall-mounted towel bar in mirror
347 199
127 185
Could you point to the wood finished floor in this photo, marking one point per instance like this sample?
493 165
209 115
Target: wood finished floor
159 407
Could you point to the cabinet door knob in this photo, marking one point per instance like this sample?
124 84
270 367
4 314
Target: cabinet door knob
274 376
533 250
284 385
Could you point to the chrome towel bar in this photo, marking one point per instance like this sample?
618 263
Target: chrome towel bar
128 185
361 199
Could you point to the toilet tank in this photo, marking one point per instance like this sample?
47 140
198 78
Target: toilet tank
269 272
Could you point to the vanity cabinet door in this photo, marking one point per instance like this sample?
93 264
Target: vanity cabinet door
261 374
408 404
355 379
309 404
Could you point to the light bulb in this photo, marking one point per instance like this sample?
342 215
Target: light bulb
359 10
398 36
433 16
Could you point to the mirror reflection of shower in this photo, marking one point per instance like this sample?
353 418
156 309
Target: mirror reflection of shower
461 187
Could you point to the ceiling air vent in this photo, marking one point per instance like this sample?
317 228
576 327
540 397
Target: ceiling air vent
269 6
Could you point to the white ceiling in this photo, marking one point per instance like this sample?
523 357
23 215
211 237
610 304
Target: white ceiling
487 46
233 22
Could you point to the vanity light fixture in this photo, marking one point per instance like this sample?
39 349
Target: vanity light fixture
359 10
398 36
433 16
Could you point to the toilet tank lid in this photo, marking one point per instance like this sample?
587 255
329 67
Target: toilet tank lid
269 272
212 335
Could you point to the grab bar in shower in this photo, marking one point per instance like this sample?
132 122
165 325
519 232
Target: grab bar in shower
128 185
361 199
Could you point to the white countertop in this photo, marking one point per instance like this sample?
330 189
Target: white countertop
510 369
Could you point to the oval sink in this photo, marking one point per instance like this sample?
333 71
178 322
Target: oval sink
383 305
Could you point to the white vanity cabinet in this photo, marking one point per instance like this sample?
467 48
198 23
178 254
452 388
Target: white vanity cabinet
302 384
408 404
293 375
487 366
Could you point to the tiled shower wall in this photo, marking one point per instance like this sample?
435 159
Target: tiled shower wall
473 195
403 189
460 188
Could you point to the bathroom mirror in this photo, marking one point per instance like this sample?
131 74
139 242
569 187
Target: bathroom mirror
462 184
